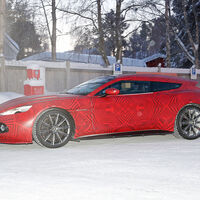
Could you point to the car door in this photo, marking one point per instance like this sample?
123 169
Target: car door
167 104
131 110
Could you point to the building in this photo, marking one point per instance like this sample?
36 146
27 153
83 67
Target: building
155 60
97 59
11 48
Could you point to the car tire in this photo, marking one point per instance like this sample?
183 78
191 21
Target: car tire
53 128
187 123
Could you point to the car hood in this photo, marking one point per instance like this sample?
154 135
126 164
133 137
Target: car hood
30 100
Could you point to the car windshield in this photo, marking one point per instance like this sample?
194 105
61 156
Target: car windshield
89 86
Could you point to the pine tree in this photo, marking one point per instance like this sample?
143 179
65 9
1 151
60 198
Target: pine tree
148 40
110 28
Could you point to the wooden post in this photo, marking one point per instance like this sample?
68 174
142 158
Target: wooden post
53 37
159 67
67 75
2 58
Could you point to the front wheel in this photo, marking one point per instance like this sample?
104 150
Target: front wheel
187 124
53 128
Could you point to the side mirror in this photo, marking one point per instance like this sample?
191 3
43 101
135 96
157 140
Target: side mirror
112 91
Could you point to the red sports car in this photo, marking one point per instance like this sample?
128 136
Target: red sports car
104 105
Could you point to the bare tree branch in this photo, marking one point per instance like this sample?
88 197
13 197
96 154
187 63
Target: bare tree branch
80 15
133 31
46 19
182 46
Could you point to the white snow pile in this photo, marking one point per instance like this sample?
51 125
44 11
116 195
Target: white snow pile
154 167
6 96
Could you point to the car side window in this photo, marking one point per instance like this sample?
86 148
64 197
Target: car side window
162 86
129 87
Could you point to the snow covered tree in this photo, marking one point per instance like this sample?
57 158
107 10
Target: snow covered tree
167 22
21 27
187 26
132 11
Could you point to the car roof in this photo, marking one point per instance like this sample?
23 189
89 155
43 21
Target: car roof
155 77
146 77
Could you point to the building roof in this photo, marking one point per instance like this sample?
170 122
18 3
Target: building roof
153 57
93 59
9 41
85 58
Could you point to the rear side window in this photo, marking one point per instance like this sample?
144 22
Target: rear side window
161 86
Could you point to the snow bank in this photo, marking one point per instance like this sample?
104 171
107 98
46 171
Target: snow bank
152 167
6 96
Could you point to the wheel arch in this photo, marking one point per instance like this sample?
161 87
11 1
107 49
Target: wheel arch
177 133
57 108
187 105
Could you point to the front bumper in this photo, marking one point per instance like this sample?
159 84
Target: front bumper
15 129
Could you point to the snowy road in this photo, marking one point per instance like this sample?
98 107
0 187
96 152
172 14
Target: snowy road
136 168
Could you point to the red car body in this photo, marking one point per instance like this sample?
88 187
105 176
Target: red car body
93 114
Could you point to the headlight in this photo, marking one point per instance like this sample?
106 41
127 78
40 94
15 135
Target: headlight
16 110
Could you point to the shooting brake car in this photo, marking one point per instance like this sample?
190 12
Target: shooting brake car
104 105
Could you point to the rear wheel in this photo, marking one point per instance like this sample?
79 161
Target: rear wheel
187 124
53 128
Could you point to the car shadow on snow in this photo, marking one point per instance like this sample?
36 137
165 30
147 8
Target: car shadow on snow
122 135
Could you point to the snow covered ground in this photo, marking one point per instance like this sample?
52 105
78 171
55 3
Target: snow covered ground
153 167
150 167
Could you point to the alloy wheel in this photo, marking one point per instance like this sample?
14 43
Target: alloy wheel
189 123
